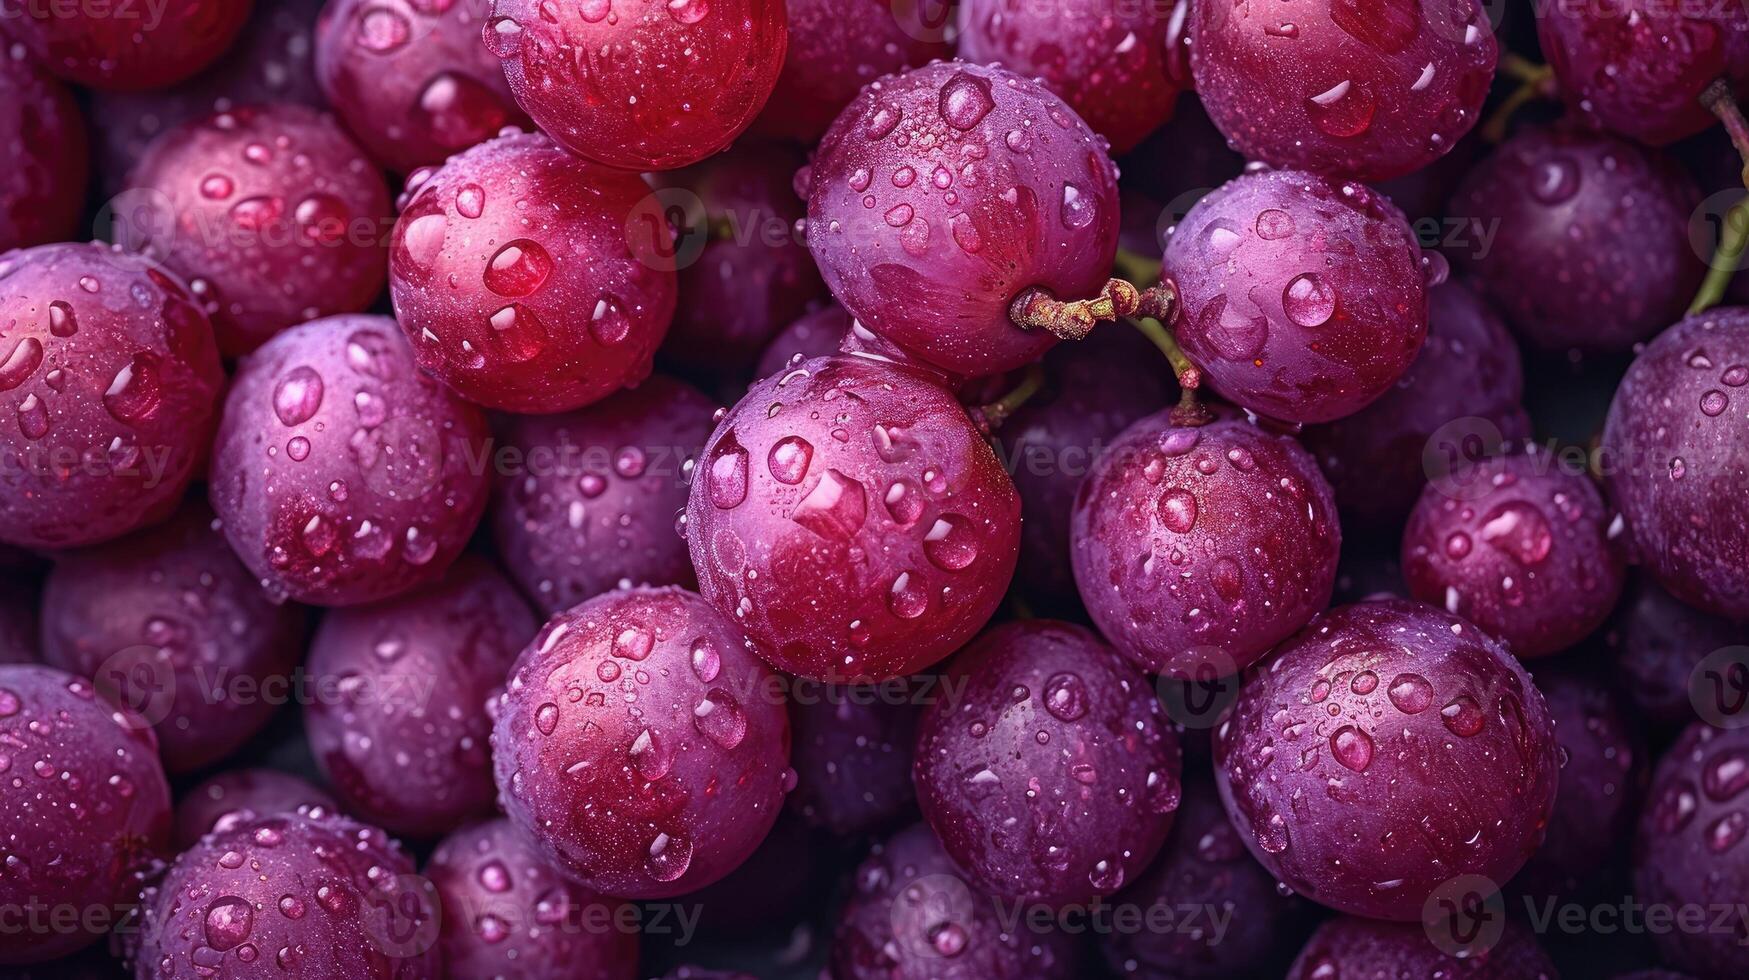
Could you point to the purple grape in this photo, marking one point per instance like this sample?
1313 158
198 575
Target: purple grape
913 917
85 807
851 518
1045 711
403 735
1661 643
1580 239
20 624
1392 722
113 378
173 626
1198 549
1468 373
239 796
592 503
507 913
1690 853
941 194
852 751
817 334
1355 947
309 894
639 744
43 188
1677 454
343 474
1300 297
1520 545
112 48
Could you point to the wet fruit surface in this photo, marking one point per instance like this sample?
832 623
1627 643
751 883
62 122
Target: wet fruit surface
1350 946
810 335
1336 760
849 516
640 84
1054 776
941 194
168 623
110 379
1662 642
1302 298
127 46
1198 549
43 136
239 796
531 312
639 744
342 474
594 504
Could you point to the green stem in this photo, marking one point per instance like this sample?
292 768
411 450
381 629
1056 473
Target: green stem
1135 267
1534 82
1072 319
1190 410
1726 259
999 411
1719 100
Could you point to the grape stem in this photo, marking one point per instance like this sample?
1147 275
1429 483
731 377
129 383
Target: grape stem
1190 411
1036 309
1534 82
1726 259
1719 101
990 417
1136 267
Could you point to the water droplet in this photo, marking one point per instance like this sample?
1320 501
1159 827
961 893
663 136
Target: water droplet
518 269
1352 747
951 543
470 201
298 396
23 359
907 598
1343 110
1308 301
965 100
134 394
228 922
727 477
1177 509
1066 696
719 718
383 30
546 718
1555 180
669 857
1462 716
62 321
835 509
1520 531
789 459
1274 224
1714 403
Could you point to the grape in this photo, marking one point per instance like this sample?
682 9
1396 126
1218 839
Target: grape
1518 544
1387 694
640 746
850 517
1108 62
19 630
1468 373
42 191
1201 548
127 47
817 334
594 501
112 377
309 894
515 274
70 752
751 275
1302 298
403 737
1676 454
1638 68
684 78
1661 643
240 796
343 475
1687 853
942 194
852 755
1046 710
913 917
271 213
1350 946
411 79
506 913
1580 239
1204 867
174 626
1367 92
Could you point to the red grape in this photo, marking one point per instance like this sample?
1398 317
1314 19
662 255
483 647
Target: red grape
127 46
507 913
1109 62
516 273
1201 548
1518 544
651 85
1662 642
85 809
942 194
42 190
640 746
113 379
1391 722
402 736
1366 91
1676 457
309 894
1350 946
1045 711
1468 373
1580 239
852 754
1303 298
271 213
593 503
240 796
178 630
411 79
817 334
850 517
342 474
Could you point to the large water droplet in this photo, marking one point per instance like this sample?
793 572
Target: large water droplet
965 100
298 395
1520 531
1308 301
836 508
951 543
519 268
